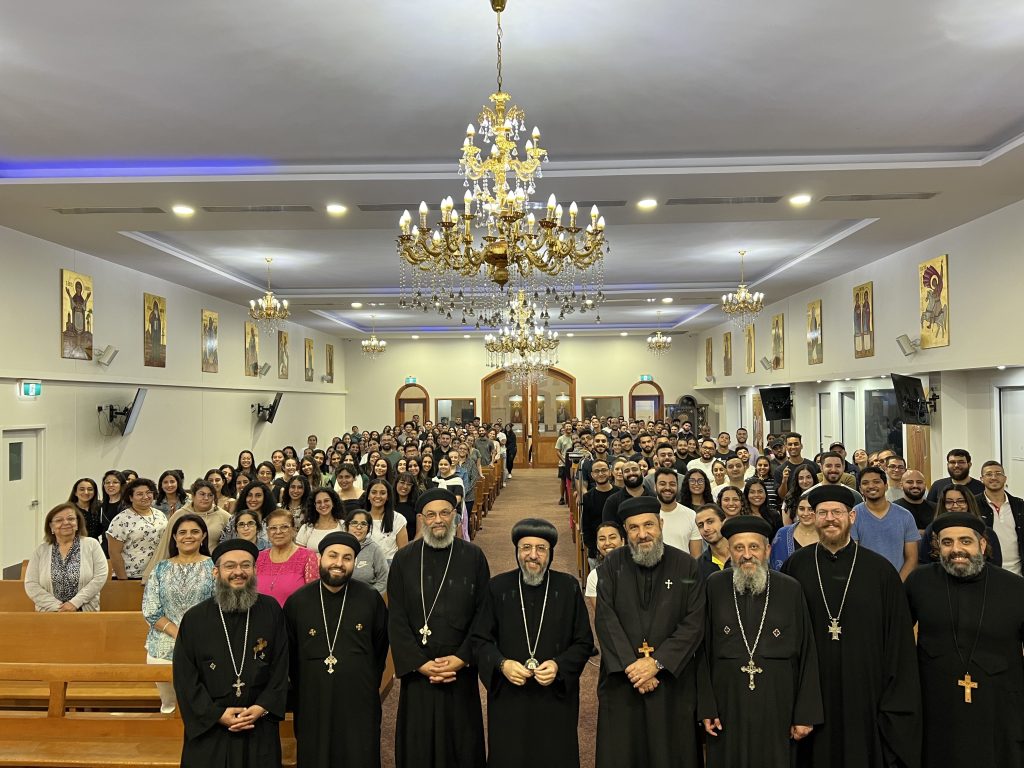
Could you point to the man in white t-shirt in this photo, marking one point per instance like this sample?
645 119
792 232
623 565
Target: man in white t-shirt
706 458
679 522
610 537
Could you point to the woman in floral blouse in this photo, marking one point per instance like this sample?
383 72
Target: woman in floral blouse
68 570
134 534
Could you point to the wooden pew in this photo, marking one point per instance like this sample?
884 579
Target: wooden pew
57 737
115 596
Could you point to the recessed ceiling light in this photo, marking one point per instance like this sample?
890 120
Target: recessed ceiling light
647 204
570 335
183 210
336 209
818 381
415 336
800 200
357 305
650 300
623 333
1000 367
667 300
465 335
847 378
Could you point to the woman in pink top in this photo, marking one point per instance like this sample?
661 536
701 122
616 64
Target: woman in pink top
286 566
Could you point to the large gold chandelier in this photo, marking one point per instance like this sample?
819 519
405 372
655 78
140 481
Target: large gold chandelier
522 348
743 306
373 347
559 262
268 310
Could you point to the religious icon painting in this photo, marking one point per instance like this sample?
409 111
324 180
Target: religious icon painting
864 320
252 350
778 357
329 363
75 315
815 348
750 348
308 359
709 365
727 353
934 288
282 354
154 331
208 338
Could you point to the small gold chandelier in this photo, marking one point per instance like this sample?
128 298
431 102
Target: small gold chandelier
743 306
267 310
373 347
522 348
659 343
445 270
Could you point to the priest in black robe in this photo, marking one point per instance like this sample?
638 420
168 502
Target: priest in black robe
865 642
338 640
436 588
970 625
532 642
650 622
758 694
231 669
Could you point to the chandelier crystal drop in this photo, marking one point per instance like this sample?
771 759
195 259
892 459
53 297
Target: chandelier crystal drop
522 348
743 306
659 343
547 254
268 310
373 347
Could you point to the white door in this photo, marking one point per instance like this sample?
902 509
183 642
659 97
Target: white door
848 414
1011 425
21 518
826 432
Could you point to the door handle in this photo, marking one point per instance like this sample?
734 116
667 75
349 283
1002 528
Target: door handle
34 503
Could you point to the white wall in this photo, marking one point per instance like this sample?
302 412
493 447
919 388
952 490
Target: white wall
984 276
191 420
453 368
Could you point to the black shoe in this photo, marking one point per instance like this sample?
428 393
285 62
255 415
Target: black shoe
562 502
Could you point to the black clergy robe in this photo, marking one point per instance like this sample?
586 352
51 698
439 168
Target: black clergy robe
989 730
204 684
869 679
337 716
663 605
439 724
538 715
756 723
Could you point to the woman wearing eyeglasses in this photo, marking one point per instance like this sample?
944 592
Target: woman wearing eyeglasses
286 566
134 534
67 571
371 565
957 498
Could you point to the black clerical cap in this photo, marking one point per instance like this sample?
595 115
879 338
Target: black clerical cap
535 526
958 520
746 524
339 537
638 505
829 492
435 494
231 545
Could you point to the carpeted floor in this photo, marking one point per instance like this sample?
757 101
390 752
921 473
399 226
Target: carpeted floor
530 493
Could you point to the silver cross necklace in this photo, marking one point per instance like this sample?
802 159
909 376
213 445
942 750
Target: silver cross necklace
424 631
750 668
833 621
330 661
238 685
532 663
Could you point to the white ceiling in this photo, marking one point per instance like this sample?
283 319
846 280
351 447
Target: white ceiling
304 103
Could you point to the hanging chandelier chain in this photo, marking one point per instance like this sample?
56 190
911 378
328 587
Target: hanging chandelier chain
499 50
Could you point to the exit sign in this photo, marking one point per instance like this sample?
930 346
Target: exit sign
410 379
29 389
646 377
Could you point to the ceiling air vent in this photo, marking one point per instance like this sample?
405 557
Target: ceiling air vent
84 211
871 198
259 209
747 200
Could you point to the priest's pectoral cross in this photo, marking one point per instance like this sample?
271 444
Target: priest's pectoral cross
834 629
646 649
668 584
424 634
967 685
751 670
238 685
330 661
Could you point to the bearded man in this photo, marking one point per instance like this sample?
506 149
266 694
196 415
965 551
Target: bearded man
758 670
338 639
650 622
231 668
436 589
970 623
532 641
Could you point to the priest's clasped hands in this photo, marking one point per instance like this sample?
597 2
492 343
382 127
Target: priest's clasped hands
443 669
241 718
643 674
517 674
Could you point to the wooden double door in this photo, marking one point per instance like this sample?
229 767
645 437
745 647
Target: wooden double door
536 411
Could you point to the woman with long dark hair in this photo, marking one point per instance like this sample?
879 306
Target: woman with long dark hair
310 469
85 495
755 496
406 493
803 481
763 472
696 490
246 462
113 485
390 530
324 514
170 496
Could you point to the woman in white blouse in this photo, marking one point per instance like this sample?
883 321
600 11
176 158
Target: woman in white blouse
67 571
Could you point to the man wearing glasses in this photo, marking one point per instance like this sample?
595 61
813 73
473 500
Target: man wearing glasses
1004 514
958 464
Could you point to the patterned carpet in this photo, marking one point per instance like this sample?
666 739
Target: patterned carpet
530 493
